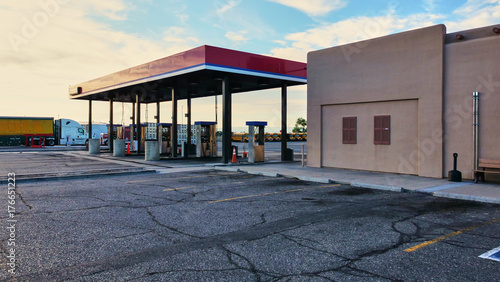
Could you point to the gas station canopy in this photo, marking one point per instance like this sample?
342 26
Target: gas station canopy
196 73
199 72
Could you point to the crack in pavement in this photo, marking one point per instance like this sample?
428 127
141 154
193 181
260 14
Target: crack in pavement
22 199
155 220
248 234
251 267
150 274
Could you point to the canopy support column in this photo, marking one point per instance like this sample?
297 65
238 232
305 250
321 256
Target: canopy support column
132 126
174 123
110 128
138 124
158 132
226 121
188 115
284 135
90 119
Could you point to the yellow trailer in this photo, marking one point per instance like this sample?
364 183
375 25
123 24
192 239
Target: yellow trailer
16 131
21 126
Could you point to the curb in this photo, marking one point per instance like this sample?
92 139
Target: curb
467 197
78 176
371 186
269 174
377 187
231 169
315 179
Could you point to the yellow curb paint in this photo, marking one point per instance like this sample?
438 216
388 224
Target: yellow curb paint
424 244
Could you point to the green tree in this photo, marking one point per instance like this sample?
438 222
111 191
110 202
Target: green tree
300 126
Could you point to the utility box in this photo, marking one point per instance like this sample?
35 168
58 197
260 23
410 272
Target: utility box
256 141
206 141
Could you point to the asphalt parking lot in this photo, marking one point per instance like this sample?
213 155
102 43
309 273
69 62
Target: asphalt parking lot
229 226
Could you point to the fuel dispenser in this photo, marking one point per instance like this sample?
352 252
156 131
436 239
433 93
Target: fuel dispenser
206 141
165 129
256 141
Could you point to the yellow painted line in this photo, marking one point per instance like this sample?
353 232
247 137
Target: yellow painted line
148 180
272 193
175 189
424 244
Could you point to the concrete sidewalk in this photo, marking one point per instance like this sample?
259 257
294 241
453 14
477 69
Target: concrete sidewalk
466 190
56 165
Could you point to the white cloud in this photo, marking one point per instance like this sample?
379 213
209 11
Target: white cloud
179 36
112 9
222 8
313 7
429 5
236 36
67 47
280 42
474 14
348 31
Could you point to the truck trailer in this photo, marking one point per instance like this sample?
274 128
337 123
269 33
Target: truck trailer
15 131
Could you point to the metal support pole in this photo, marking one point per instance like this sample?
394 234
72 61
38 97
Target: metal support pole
138 124
188 114
132 130
475 129
110 129
226 121
302 155
284 136
158 132
90 119
174 123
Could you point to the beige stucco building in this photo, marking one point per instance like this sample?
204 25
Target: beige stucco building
403 103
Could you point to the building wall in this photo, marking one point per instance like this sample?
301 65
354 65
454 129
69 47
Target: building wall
471 64
405 66
404 129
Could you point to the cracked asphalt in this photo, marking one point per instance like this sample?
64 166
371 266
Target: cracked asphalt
225 226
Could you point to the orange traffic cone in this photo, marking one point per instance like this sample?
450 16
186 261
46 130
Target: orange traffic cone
234 156
128 148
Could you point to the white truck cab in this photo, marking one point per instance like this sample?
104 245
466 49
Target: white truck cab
70 132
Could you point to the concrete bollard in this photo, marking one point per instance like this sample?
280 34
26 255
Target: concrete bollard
94 146
119 148
152 151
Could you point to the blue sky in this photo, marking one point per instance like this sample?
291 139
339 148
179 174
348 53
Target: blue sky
50 44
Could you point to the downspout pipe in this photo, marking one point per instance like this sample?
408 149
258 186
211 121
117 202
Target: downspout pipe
475 129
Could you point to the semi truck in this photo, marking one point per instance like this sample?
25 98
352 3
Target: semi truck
15 131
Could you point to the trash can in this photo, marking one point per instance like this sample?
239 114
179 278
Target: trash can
289 154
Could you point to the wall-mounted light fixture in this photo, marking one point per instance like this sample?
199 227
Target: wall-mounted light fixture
459 37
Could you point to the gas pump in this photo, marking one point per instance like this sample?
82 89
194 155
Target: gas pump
165 129
206 141
256 141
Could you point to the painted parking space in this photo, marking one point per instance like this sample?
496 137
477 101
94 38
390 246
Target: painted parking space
449 235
